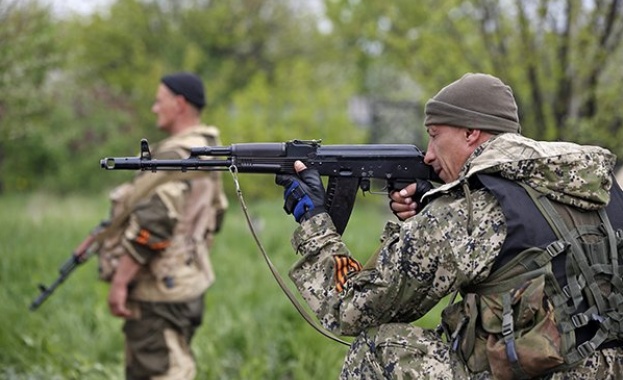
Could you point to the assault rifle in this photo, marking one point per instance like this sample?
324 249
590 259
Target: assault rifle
349 167
80 255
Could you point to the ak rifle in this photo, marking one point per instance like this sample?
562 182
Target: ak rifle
348 167
80 255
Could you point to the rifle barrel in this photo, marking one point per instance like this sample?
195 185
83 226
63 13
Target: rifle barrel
64 272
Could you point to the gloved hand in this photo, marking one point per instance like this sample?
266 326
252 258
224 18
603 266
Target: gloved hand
304 193
407 202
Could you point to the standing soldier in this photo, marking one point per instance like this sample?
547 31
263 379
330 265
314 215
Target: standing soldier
529 232
157 260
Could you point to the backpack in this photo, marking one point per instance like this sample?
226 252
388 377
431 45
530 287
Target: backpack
521 323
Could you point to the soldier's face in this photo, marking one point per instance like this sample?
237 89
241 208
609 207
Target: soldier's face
166 107
448 149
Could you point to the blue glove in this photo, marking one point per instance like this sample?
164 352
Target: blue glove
304 194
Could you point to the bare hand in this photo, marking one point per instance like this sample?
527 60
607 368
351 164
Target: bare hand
117 297
118 293
402 203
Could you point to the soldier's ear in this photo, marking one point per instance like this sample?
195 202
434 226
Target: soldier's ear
475 136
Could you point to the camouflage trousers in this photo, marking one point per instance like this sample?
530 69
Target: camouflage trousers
403 351
157 341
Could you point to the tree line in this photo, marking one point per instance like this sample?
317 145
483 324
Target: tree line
78 88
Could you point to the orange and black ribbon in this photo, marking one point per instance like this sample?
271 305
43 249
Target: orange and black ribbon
144 237
344 265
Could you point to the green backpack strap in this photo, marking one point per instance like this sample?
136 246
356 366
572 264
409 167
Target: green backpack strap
508 334
581 279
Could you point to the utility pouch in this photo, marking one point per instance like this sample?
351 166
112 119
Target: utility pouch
507 325
523 340
459 324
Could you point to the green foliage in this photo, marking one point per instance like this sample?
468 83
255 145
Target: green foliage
559 64
56 342
248 53
250 330
76 90
27 53
303 108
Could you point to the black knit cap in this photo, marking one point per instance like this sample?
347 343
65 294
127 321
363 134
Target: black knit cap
478 101
187 85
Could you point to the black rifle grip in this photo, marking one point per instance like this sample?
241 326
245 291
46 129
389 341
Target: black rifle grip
340 200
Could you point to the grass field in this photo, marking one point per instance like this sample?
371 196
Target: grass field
251 331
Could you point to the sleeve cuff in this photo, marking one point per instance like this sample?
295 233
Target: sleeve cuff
316 225
133 253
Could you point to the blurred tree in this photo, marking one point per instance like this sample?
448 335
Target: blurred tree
303 101
225 42
269 74
27 57
562 57
76 90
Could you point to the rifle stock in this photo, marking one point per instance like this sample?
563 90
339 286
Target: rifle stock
349 167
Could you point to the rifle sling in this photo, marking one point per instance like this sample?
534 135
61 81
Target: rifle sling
302 311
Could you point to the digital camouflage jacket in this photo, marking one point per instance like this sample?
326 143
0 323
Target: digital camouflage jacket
452 243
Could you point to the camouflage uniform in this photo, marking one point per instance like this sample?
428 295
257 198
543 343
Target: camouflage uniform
453 242
169 232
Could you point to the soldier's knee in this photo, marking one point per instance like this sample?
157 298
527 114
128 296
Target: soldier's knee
398 350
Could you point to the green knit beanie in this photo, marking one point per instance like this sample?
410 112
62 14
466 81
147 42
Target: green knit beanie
476 101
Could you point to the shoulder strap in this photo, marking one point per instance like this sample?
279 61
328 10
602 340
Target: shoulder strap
146 184
582 269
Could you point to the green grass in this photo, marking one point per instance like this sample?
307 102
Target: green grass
251 331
